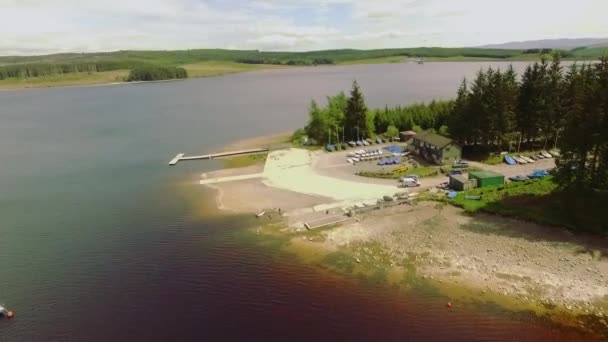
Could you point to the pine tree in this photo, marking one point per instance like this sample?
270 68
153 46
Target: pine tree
457 125
511 95
553 120
477 108
355 116
577 141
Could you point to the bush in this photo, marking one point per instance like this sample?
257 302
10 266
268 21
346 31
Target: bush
156 73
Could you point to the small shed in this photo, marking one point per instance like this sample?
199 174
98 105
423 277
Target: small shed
462 183
487 178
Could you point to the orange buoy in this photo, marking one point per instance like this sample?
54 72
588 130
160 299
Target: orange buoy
10 314
449 305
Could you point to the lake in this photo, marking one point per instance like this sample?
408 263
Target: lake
100 240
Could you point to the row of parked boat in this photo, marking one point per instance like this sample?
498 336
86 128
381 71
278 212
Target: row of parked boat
538 173
521 159
358 143
364 155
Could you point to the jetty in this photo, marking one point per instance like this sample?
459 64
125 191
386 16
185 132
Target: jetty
182 156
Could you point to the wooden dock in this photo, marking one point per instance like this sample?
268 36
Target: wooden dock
181 156
176 159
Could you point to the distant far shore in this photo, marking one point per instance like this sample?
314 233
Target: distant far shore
220 68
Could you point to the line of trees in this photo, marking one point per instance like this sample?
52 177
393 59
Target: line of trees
584 146
51 69
347 118
261 60
548 107
156 73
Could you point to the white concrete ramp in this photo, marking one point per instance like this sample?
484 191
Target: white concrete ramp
230 179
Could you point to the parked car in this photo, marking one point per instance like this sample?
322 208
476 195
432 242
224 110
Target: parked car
461 164
409 182
454 172
411 176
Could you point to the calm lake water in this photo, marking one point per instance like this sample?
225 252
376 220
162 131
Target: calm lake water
101 241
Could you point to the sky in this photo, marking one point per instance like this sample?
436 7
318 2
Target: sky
50 26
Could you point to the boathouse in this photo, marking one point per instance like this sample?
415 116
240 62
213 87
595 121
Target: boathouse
436 148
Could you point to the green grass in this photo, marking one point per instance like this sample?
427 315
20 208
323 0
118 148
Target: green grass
82 78
423 171
540 201
244 161
378 60
217 68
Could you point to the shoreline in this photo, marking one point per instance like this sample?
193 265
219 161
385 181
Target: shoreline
517 264
25 88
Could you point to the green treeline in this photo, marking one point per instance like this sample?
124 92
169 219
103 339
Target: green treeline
547 107
50 69
348 118
156 73
261 60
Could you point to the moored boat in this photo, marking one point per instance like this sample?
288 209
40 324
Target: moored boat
6 313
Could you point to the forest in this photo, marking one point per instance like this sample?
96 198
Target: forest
156 73
547 106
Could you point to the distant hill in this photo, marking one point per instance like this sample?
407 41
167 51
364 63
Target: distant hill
562 44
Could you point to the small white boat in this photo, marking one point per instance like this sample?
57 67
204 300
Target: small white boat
529 160
261 213
350 161
546 154
554 153
520 161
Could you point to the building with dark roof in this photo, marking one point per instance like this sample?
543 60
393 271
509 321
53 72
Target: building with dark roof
436 148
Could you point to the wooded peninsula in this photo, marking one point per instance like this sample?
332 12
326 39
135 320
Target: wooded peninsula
548 107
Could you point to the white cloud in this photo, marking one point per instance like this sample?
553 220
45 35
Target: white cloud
41 26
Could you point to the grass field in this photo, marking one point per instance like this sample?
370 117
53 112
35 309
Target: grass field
244 161
65 80
379 60
403 170
217 68
540 201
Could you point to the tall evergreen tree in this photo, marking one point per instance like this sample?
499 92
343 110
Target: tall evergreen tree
554 116
458 127
355 116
